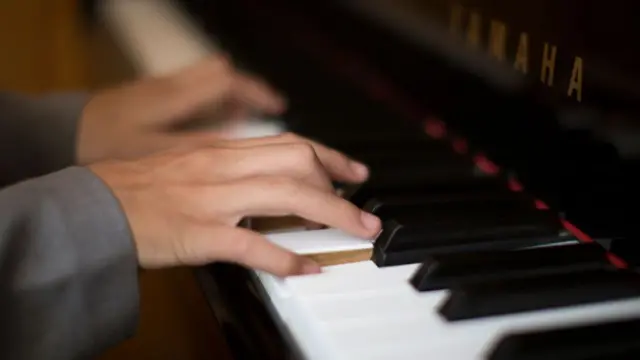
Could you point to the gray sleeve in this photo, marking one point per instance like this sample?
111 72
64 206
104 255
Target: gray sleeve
68 268
37 134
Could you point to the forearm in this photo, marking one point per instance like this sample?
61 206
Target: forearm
37 134
68 269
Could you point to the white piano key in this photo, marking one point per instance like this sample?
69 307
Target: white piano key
360 311
350 278
256 127
275 286
379 335
480 335
383 340
283 288
302 324
390 320
319 241
385 303
368 312
305 328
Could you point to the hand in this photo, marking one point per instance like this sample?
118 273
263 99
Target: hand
141 117
183 205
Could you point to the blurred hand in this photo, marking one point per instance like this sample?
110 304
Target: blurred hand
184 205
141 117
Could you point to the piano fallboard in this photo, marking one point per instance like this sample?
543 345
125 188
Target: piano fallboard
412 74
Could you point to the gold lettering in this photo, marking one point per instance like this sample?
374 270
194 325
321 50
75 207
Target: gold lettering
522 54
473 30
497 47
548 64
575 83
498 40
455 24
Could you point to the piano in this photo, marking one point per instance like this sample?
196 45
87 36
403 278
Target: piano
503 144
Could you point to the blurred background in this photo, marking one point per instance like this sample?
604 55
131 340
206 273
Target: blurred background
43 47
46 47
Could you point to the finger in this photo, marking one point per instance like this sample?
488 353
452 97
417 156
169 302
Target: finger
339 166
175 98
247 248
310 225
200 87
278 196
235 111
257 94
223 112
297 161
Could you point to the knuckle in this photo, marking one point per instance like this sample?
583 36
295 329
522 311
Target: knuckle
304 150
304 156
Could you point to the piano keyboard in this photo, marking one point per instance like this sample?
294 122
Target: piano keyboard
361 311
465 268
463 265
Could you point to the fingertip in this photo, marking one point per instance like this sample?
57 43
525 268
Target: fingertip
298 265
360 170
371 223
282 101
310 267
276 104
223 61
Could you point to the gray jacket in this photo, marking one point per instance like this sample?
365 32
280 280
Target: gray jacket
68 270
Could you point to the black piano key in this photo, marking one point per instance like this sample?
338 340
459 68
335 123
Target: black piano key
354 133
510 296
360 194
603 341
403 173
386 208
447 270
385 146
384 157
411 241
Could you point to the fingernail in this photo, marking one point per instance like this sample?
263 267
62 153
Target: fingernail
360 169
311 267
370 221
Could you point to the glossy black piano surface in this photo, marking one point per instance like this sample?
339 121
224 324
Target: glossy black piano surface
567 129
547 90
